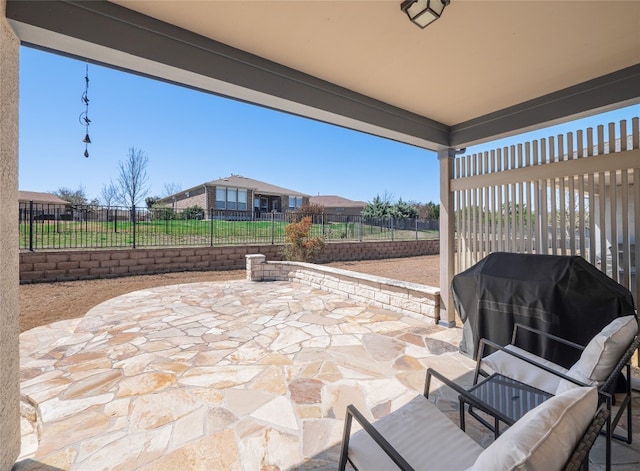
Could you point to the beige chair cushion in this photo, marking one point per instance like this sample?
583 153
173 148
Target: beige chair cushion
423 436
602 353
520 370
544 437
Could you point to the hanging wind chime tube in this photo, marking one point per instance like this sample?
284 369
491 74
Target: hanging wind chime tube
84 116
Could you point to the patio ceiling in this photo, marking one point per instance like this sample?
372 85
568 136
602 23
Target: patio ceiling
484 70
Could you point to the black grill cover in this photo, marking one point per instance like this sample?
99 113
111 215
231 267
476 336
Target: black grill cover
561 295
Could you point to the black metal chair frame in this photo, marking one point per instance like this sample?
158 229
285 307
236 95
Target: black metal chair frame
606 389
577 460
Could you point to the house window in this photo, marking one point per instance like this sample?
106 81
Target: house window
231 198
242 200
295 202
221 197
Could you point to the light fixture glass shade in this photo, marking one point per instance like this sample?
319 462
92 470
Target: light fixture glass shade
424 12
415 8
425 18
437 6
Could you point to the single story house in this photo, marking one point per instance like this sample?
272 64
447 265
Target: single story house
236 193
338 205
41 198
45 205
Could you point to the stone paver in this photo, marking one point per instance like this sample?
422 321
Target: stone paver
227 376
235 375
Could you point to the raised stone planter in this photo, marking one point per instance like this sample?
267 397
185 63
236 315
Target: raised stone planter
397 296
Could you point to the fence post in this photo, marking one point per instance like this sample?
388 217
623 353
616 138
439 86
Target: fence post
211 227
391 223
31 226
416 218
272 228
133 223
360 228
346 228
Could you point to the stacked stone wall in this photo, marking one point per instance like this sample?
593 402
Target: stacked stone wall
394 295
91 264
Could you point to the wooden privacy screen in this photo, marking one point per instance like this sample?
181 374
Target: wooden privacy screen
573 194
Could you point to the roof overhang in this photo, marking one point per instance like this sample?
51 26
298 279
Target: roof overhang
232 49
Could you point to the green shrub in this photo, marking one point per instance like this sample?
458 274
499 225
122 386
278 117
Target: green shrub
193 212
162 213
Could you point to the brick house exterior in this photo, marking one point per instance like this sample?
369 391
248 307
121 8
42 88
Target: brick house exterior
338 205
236 193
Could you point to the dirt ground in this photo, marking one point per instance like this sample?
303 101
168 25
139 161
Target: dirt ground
44 303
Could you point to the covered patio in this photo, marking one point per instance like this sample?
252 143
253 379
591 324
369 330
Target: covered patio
231 375
485 70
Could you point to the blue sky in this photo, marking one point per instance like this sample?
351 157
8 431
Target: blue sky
192 137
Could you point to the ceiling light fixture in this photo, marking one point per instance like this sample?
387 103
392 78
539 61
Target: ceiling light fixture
424 12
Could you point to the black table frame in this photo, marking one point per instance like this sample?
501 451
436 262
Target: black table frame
503 398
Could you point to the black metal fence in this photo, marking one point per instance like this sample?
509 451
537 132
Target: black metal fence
48 227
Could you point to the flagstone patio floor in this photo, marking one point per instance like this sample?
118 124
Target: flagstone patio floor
231 375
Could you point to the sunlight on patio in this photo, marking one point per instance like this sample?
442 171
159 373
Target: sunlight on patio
231 375
234 375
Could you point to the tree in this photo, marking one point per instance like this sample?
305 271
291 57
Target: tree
132 178
170 189
109 194
378 208
76 197
402 209
428 210
151 201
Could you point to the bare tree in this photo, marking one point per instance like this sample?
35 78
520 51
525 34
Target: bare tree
132 178
109 194
75 197
170 189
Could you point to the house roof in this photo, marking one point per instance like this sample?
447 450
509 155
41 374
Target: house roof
484 70
333 201
240 181
37 197
257 185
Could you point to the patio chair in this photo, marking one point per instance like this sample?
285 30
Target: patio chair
418 436
602 362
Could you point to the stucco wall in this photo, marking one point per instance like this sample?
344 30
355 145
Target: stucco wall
9 357
75 265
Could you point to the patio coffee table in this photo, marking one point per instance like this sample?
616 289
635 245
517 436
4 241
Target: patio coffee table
505 399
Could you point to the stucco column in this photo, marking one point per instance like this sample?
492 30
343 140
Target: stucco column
447 237
9 358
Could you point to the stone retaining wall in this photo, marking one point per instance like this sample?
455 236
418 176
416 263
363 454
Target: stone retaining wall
394 295
90 264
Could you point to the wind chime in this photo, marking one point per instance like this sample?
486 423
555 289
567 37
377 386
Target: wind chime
84 116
